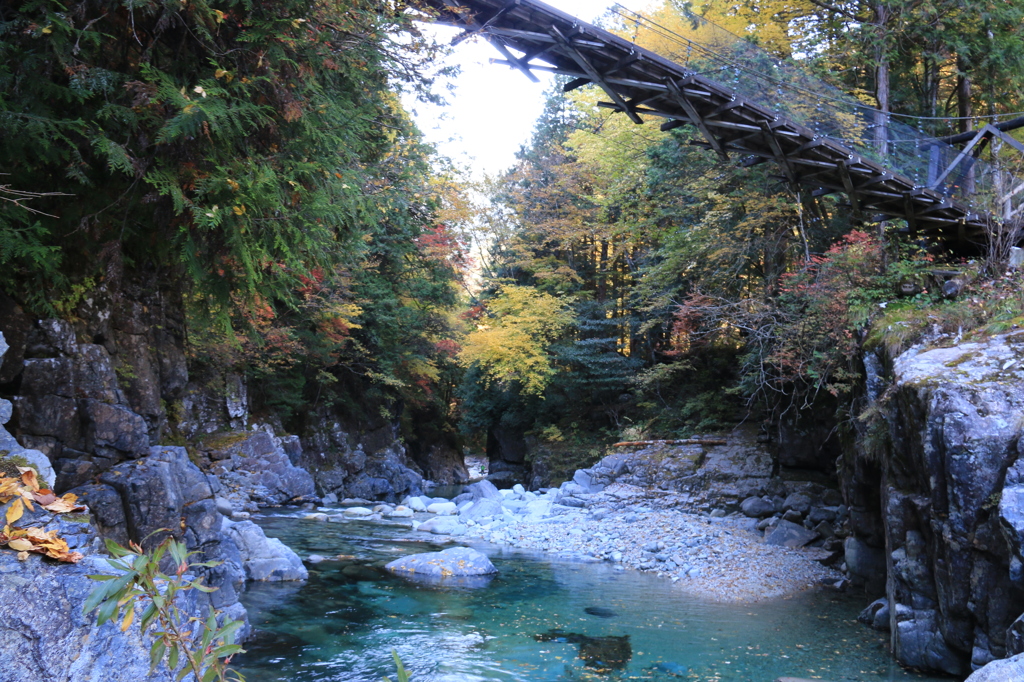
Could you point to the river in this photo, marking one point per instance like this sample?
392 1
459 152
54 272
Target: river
541 618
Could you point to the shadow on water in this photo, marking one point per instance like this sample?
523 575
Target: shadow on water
538 619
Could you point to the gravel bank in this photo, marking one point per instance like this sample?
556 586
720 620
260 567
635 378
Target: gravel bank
713 556
723 559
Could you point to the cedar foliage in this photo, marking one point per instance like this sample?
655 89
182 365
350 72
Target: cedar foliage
252 156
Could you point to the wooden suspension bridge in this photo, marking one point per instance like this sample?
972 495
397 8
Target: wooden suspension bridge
534 37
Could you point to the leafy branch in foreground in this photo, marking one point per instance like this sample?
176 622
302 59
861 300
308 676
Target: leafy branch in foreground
206 650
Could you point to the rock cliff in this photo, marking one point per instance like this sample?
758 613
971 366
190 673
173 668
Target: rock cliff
936 490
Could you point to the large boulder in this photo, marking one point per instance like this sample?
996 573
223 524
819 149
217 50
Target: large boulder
788 534
1005 670
456 562
44 634
264 559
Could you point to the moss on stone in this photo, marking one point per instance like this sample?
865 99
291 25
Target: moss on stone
9 464
219 441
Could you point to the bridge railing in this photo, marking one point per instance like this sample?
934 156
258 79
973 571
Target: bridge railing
791 90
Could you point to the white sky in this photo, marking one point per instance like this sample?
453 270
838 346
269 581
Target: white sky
493 108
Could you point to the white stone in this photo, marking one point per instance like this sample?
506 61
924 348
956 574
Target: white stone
518 489
443 508
416 504
401 512
358 511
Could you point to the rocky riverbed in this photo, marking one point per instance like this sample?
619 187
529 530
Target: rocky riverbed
721 557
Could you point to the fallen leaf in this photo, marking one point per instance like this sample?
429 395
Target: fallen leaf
15 511
29 478
45 497
22 556
63 505
21 545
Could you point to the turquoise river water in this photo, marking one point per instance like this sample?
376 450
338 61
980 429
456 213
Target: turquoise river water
540 618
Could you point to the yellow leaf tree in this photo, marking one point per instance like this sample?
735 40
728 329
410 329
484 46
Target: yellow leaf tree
510 343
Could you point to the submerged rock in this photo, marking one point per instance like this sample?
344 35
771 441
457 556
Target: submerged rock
600 612
612 652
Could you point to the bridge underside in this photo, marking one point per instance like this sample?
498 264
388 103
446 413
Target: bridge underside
532 36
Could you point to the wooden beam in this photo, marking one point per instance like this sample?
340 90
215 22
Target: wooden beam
909 210
851 191
592 73
679 98
454 7
509 6
780 156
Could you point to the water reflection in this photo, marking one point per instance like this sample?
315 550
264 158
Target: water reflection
538 619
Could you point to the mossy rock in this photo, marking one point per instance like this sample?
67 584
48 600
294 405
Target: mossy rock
9 464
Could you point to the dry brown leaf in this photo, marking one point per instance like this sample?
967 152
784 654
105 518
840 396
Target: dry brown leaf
22 556
15 511
63 505
45 497
29 478
39 535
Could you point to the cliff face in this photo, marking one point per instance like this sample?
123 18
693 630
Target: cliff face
936 489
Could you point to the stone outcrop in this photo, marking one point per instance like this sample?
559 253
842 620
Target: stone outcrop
255 468
712 474
44 635
936 493
165 494
1006 670
368 465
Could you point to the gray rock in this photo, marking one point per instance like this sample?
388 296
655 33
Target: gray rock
481 509
443 525
264 558
224 506
876 614
757 508
456 561
797 502
459 566
483 490
787 534
59 641
1006 670
921 644
444 507
793 515
865 565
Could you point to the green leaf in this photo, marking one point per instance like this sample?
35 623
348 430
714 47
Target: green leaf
228 650
156 654
116 549
147 616
172 657
108 610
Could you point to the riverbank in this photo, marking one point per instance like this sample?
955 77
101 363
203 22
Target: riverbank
721 558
